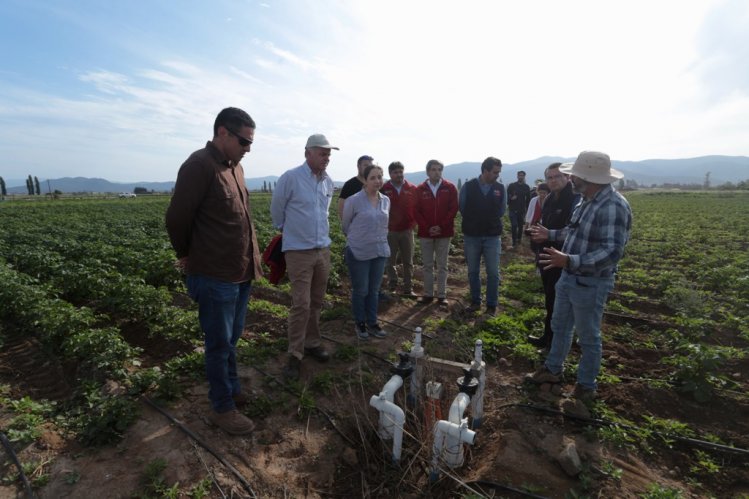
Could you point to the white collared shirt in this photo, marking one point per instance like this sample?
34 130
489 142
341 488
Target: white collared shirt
434 187
300 206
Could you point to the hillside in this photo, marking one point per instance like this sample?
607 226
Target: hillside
722 169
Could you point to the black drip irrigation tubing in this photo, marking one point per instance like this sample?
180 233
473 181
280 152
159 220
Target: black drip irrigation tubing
411 329
9 450
203 444
495 485
406 328
296 394
602 422
675 384
326 337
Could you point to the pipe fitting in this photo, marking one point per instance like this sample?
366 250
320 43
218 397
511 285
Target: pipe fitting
392 419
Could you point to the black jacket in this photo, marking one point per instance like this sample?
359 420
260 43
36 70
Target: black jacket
557 211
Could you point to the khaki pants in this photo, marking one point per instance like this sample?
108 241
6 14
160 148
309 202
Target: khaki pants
308 272
431 250
401 243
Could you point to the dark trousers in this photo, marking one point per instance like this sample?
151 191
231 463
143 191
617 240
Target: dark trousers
517 219
549 279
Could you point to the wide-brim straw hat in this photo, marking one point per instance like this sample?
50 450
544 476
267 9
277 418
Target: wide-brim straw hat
594 167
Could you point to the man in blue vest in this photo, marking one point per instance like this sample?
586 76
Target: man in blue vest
482 204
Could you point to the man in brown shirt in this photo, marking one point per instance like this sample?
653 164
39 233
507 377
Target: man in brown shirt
210 226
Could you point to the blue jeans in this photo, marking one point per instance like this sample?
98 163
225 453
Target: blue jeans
491 249
222 307
366 277
579 305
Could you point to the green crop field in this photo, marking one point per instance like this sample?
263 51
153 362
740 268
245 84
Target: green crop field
93 283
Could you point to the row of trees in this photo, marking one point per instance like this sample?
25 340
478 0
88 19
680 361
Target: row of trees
32 185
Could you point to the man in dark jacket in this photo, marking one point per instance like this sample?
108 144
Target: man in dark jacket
482 205
209 221
518 197
555 215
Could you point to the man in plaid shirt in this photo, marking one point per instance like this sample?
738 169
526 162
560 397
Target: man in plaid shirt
593 245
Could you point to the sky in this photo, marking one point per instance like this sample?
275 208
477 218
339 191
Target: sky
126 90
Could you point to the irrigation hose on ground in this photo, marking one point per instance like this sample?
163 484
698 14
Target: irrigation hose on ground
13 457
602 422
326 337
200 441
297 394
495 485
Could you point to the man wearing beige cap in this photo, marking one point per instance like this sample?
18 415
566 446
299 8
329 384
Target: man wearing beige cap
594 243
299 207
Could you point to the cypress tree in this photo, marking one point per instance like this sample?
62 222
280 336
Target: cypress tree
36 186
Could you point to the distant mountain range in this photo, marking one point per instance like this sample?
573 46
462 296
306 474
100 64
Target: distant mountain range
648 172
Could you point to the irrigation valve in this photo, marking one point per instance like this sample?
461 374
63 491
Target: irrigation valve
404 368
468 384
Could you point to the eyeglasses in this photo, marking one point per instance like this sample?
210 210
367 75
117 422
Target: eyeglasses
243 141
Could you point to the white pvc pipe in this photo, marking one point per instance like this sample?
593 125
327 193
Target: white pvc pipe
458 407
392 419
477 401
391 387
449 436
448 445
417 352
478 347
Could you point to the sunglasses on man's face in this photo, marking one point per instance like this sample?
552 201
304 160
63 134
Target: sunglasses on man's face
243 141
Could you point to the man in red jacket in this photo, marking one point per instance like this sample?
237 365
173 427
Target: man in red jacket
400 227
435 210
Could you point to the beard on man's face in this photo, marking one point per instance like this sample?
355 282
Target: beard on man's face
579 185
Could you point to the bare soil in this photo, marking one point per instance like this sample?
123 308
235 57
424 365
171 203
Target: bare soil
333 450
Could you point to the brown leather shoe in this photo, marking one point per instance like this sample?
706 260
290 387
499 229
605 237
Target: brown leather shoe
584 395
232 422
543 375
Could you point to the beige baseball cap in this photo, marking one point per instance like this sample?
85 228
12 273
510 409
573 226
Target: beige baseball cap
319 140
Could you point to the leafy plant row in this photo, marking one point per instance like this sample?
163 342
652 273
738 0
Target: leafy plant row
98 352
94 282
